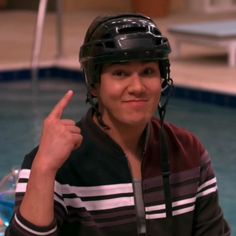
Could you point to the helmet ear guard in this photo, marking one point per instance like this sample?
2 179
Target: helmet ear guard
166 88
166 82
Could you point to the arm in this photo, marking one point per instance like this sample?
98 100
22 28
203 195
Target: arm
209 219
36 210
19 224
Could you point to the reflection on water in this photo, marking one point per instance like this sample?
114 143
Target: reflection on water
7 190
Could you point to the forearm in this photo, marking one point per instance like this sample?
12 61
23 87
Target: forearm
38 203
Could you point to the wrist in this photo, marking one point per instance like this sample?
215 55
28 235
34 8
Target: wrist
43 168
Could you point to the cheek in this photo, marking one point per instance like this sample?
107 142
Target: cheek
110 91
155 88
108 94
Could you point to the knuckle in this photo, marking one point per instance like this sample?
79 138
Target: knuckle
73 122
78 130
79 139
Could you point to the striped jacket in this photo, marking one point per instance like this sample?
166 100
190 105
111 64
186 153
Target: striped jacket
94 193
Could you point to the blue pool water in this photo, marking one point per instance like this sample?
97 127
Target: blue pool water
22 112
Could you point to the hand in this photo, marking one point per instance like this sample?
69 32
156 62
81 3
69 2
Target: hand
59 137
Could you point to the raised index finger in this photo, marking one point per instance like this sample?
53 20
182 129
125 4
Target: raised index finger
57 111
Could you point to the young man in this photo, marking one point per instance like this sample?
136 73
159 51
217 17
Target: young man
119 170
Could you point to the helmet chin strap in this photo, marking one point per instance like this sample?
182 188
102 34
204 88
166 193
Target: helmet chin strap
166 85
164 155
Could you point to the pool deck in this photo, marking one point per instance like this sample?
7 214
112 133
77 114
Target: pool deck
200 67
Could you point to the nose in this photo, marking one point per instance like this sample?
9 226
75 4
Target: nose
136 84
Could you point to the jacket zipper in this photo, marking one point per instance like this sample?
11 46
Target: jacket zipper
135 198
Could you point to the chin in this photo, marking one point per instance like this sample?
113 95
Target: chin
128 118
136 121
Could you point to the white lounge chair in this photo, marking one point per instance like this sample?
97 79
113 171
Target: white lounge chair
218 34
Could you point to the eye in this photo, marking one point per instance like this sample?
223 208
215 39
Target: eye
119 73
150 72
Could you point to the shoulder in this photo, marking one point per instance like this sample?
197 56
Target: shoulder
183 135
176 133
185 148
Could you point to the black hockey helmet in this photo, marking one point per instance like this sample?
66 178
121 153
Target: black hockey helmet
123 38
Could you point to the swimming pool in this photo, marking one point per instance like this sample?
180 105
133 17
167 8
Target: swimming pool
22 112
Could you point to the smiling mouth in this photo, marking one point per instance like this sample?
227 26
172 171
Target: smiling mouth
136 100
136 103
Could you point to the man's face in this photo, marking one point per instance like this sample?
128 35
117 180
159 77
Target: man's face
128 94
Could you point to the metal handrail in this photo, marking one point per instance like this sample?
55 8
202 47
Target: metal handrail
59 9
39 34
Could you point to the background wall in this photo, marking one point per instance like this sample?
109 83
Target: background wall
178 5
119 5
28 4
103 5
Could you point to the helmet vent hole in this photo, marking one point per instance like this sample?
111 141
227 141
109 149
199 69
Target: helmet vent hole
130 30
159 41
156 32
110 44
99 45
107 36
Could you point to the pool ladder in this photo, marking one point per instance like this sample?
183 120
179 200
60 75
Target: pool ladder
39 34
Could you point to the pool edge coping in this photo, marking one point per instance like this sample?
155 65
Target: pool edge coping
180 91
